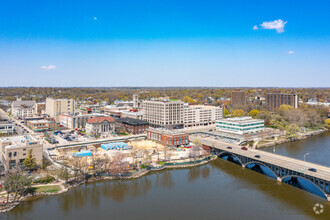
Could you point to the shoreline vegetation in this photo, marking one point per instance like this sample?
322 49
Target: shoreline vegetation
282 140
61 187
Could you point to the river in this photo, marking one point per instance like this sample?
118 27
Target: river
218 190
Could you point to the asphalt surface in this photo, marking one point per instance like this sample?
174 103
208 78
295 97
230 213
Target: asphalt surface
323 172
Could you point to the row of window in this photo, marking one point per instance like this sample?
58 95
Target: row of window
15 154
240 129
245 125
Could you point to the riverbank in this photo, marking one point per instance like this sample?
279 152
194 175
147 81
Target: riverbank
65 188
270 143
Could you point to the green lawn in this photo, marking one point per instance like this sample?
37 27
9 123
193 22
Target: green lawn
54 188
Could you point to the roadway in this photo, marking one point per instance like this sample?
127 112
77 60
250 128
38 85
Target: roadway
15 121
323 172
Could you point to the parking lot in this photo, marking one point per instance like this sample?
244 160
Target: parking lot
216 136
66 137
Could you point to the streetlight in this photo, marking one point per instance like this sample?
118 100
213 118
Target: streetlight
305 160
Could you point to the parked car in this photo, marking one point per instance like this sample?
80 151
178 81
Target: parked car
229 147
257 156
312 169
243 148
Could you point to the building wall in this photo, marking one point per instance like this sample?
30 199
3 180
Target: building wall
135 115
22 109
168 139
18 154
75 121
166 114
54 107
275 100
104 128
238 98
200 115
238 127
39 108
6 128
134 129
40 125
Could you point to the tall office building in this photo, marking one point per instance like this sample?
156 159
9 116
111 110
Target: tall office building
164 113
201 115
135 101
275 100
238 97
55 107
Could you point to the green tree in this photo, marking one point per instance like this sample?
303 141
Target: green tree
327 123
292 130
188 99
30 162
238 113
253 113
17 184
226 113
284 108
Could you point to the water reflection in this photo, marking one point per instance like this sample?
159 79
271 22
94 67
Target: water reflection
218 190
292 197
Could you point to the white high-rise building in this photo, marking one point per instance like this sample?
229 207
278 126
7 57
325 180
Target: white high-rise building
164 113
55 107
201 115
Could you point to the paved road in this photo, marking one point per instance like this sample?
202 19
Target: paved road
4 114
323 172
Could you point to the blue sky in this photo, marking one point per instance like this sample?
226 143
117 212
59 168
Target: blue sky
165 43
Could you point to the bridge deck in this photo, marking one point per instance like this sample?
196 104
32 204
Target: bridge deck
323 172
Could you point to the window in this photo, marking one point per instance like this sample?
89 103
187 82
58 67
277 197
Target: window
10 154
15 154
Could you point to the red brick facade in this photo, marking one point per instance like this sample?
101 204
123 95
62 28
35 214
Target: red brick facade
168 138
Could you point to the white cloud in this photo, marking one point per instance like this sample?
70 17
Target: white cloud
278 25
291 52
49 67
255 27
95 18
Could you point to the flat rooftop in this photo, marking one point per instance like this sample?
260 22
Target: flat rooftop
240 120
132 121
203 106
165 131
40 121
19 141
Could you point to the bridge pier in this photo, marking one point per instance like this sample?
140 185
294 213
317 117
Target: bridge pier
279 179
328 198
243 165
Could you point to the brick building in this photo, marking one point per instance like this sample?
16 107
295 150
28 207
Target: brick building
275 100
131 125
238 97
167 137
40 125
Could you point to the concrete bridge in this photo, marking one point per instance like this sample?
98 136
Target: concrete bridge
284 169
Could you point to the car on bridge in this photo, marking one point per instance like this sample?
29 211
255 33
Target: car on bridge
257 156
244 148
312 169
229 147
